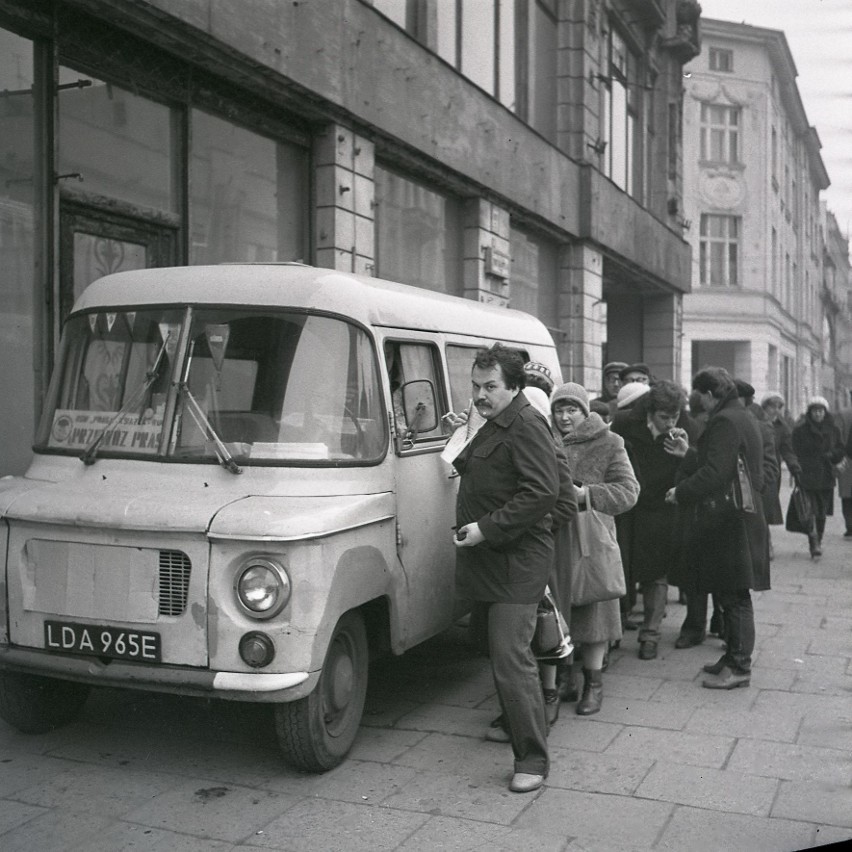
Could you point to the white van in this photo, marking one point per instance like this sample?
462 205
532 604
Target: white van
237 492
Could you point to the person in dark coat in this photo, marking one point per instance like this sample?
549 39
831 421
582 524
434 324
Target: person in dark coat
649 432
818 447
772 404
508 489
728 544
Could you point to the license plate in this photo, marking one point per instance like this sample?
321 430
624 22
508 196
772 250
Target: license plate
102 641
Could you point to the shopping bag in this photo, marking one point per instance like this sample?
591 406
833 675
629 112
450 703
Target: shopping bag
550 639
596 571
800 513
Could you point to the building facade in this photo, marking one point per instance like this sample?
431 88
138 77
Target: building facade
521 152
752 178
837 311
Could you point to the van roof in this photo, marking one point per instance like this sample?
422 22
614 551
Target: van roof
372 301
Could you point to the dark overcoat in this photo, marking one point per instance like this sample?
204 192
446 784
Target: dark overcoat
818 448
783 452
510 482
649 528
730 550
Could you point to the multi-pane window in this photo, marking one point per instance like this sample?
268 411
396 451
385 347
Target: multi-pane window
720 133
721 59
719 251
622 91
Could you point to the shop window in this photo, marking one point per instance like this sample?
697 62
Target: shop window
719 249
533 281
720 133
248 195
18 216
116 144
418 234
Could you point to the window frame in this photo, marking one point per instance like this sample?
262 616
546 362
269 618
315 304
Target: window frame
719 254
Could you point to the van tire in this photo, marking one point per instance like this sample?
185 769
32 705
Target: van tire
315 733
36 705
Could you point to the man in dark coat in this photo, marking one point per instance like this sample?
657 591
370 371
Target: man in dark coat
509 487
729 544
648 432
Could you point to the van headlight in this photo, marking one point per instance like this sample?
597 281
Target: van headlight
262 587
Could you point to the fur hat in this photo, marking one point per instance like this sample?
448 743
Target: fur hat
818 400
770 396
634 368
630 393
744 389
572 392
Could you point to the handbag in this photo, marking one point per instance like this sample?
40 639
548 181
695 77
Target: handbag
800 516
550 639
596 571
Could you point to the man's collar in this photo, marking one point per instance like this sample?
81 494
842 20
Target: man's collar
510 412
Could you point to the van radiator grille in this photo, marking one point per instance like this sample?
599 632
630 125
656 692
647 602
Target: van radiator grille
174 582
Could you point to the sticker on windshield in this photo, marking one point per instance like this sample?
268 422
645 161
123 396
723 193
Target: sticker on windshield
75 430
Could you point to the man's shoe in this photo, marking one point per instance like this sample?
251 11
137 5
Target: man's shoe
647 650
726 679
496 733
715 668
685 640
525 782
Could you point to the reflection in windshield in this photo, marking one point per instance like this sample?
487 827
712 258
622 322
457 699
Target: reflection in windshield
253 387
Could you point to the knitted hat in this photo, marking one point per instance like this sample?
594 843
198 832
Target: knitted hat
771 396
630 393
571 392
635 368
533 368
613 367
539 401
818 400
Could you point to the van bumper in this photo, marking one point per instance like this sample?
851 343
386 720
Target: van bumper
234 686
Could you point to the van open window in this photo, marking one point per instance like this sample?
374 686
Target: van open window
273 387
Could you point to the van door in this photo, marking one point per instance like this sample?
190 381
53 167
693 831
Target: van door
426 496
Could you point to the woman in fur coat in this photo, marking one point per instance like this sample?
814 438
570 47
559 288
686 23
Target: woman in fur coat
604 479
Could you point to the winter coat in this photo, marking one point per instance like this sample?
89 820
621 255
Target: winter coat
599 462
509 486
783 452
728 550
818 448
843 419
647 531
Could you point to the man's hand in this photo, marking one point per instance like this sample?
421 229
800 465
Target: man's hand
676 443
468 536
453 420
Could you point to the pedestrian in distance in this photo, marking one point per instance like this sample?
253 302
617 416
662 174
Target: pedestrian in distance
509 485
605 482
844 469
727 543
818 447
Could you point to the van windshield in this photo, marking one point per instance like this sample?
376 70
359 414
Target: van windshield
268 387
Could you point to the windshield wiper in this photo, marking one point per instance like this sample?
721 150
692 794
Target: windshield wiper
89 455
201 421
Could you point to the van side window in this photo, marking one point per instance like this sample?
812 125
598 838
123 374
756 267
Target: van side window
408 362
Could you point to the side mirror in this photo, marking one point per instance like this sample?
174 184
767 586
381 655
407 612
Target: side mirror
420 407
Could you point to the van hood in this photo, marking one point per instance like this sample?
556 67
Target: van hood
125 504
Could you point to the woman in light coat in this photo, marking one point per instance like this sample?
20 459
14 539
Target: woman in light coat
604 480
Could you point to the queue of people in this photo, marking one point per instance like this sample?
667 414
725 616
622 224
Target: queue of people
692 487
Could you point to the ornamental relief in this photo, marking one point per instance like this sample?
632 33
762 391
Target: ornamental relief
715 91
722 188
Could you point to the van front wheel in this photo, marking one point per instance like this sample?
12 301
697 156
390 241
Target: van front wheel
36 705
315 733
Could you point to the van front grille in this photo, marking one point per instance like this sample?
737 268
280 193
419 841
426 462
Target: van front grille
174 582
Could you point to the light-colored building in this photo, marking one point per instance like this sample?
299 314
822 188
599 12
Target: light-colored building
837 307
752 178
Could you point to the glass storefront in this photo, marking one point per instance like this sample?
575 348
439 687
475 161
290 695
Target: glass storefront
17 250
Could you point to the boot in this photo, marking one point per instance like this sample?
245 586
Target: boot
566 683
592 693
813 543
551 705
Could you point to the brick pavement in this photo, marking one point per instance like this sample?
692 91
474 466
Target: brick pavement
666 765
